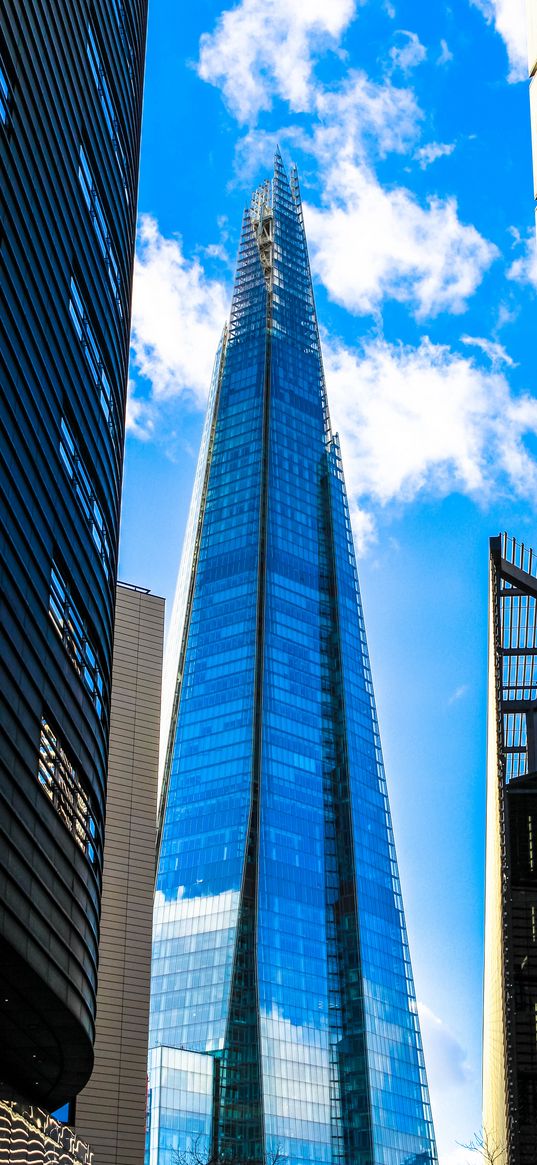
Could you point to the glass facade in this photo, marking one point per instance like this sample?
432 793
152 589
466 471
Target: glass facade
283 1014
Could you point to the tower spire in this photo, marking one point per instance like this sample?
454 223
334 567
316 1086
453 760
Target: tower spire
281 974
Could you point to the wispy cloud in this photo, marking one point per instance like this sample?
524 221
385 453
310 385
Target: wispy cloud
458 694
445 55
509 20
445 1056
524 268
362 118
495 351
140 419
177 316
408 53
263 49
432 151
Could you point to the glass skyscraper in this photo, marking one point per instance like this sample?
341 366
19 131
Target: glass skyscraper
283 1019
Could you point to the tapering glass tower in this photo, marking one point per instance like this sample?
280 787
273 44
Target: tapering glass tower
284 1020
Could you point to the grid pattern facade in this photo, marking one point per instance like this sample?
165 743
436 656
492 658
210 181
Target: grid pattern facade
70 110
281 974
510 1030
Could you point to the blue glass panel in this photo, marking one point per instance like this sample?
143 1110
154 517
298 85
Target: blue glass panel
280 954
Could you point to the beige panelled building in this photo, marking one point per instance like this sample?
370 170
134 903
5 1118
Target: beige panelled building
110 1112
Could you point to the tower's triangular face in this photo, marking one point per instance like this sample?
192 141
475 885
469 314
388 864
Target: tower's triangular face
283 1011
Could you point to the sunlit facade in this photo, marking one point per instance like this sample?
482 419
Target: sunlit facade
30 1136
283 1014
510 1026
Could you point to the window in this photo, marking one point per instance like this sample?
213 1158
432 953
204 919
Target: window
60 781
119 9
85 493
72 632
107 104
89 343
94 205
5 95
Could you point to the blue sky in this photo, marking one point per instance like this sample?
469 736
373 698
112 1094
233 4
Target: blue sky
410 126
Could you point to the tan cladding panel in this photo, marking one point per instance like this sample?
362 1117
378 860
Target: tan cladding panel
110 1112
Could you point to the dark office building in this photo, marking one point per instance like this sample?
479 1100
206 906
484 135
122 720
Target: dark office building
71 77
510 1028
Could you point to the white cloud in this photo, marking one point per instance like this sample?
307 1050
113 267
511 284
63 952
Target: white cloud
358 119
409 53
177 317
509 20
369 242
363 116
266 48
433 150
425 420
139 420
445 55
524 269
496 352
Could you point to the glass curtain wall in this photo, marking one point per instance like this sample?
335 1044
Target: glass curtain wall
284 1023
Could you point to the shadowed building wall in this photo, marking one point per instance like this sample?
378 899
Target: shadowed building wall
71 78
510 997
110 1112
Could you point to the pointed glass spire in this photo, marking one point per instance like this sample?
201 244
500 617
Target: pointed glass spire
284 1022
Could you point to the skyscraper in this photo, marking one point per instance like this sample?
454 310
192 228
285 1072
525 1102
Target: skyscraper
71 80
510 1027
284 1019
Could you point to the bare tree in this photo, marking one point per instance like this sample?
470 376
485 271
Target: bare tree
491 1151
200 1154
